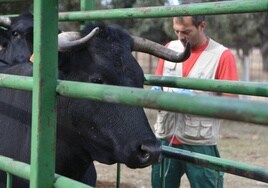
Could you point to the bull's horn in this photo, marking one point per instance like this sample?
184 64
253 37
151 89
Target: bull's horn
5 21
72 40
153 48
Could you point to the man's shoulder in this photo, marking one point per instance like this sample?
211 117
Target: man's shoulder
215 47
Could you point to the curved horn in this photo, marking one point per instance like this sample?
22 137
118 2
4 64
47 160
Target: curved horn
153 48
71 40
5 21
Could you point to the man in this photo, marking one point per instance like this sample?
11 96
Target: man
208 60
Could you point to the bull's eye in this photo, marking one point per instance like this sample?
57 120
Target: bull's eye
15 33
96 80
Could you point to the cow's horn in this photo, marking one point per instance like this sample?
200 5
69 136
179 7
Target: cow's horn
72 40
5 21
153 48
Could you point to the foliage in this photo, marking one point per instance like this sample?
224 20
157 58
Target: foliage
15 7
241 31
149 28
237 30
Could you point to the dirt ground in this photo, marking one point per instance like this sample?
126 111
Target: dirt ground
240 142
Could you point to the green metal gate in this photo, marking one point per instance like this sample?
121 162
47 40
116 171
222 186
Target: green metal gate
45 86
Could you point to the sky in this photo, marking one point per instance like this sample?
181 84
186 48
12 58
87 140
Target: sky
170 2
173 2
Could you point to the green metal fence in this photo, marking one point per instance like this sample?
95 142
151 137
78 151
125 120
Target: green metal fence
45 86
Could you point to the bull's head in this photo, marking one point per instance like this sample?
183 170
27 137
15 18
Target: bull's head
115 132
18 37
73 40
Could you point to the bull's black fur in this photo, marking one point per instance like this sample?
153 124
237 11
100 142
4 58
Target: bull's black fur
86 130
3 44
17 40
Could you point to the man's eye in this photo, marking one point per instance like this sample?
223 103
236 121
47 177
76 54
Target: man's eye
186 32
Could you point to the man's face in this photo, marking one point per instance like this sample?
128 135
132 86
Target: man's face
187 31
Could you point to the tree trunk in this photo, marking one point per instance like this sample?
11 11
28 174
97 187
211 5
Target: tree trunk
265 63
245 64
264 53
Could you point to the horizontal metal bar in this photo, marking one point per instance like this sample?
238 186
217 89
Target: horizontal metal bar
22 170
219 107
64 182
16 82
219 164
236 87
17 168
210 8
8 1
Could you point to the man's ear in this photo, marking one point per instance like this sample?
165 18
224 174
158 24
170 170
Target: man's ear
202 25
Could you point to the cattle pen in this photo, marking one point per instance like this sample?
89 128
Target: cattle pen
45 86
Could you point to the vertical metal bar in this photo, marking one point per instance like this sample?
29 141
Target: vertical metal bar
87 5
118 175
9 180
44 94
163 172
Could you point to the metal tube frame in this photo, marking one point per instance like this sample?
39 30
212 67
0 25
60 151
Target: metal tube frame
210 8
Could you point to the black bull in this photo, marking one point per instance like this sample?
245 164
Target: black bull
86 130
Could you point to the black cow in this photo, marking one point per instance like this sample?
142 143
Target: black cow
16 39
86 130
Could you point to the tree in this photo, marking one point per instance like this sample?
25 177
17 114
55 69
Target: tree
16 6
262 30
152 29
242 32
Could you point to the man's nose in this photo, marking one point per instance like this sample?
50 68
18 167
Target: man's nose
181 36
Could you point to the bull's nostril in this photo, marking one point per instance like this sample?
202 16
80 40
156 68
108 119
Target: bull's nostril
145 156
151 153
144 153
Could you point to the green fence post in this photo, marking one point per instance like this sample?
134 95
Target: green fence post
44 92
86 5
118 175
163 172
9 180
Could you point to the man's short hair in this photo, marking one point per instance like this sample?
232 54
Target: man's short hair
197 19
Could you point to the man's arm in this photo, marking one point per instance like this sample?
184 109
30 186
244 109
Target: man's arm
227 70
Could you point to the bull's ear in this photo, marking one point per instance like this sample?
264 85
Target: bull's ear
31 59
153 48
